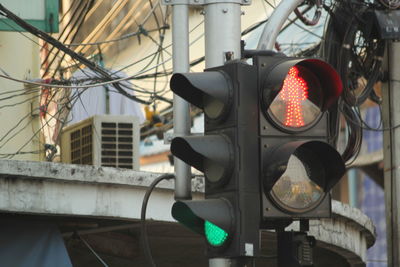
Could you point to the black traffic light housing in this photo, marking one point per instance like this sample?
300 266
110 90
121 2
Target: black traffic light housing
263 168
226 154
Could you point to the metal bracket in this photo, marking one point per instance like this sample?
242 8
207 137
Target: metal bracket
204 2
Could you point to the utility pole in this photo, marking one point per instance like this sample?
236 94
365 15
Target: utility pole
222 32
180 52
391 144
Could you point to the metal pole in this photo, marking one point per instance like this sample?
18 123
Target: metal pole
275 23
180 49
391 118
222 32
222 35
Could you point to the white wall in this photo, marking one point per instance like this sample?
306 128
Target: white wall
19 57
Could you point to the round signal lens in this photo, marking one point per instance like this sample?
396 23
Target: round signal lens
295 191
298 104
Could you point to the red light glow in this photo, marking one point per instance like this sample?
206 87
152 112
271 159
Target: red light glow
294 92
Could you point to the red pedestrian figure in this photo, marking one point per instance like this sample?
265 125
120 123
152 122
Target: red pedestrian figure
294 91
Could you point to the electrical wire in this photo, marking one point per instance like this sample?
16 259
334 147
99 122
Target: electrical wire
18 125
164 48
26 36
92 250
354 134
144 238
123 37
82 86
34 135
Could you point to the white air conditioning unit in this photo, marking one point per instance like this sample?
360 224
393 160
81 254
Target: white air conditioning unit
102 140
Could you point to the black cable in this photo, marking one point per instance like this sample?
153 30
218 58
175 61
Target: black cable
144 237
66 12
354 134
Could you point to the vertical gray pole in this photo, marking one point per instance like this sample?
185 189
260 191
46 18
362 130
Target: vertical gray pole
222 32
180 49
222 35
391 144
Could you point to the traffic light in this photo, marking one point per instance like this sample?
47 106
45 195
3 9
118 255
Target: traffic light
227 154
299 164
267 151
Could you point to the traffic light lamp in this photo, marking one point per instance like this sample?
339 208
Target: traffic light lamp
212 218
299 165
228 95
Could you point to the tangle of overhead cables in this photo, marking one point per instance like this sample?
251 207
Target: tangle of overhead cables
77 18
44 36
356 50
360 58
331 46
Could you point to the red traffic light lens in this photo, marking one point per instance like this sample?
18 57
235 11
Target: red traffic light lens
298 105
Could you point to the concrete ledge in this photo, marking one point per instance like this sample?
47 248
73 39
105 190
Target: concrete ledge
44 188
77 173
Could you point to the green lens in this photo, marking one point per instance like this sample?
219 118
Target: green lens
215 235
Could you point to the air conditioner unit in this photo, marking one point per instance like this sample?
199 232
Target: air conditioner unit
102 140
